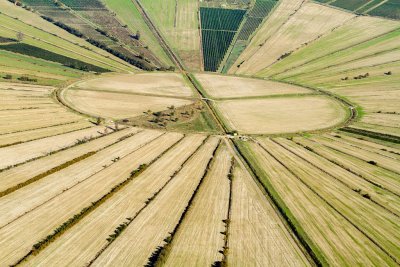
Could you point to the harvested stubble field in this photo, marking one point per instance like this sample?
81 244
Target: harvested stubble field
292 162
254 243
70 197
218 86
321 216
26 109
179 23
274 22
201 235
152 227
126 96
358 30
165 84
118 105
91 234
281 114
306 25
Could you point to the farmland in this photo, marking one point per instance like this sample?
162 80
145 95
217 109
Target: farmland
199 133
128 96
178 22
281 115
218 27
252 21
294 33
380 8
93 22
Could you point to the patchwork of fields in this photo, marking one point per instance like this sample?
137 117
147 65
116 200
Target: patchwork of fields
120 147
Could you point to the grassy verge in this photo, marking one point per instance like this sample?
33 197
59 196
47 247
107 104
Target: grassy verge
371 134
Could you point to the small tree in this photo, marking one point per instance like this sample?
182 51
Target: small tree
20 36
138 35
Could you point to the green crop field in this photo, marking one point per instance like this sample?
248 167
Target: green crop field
350 4
44 54
390 9
218 27
380 8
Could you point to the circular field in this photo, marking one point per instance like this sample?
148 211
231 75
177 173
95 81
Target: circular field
276 115
246 105
125 95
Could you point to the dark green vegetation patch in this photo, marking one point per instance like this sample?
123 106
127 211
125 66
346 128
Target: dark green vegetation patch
37 52
379 8
218 27
390 9
350 4
6 40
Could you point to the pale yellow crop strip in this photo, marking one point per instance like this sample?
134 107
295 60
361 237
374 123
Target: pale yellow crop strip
385 199
23 173
254 243
325 227
90 235
18 237
378 225
136 244
199 237
371 173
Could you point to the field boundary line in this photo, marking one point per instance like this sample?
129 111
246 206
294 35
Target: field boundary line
227 221
177 171
338 150
371 134
329 174
62 166
346 168
161 251
332 53
65 190
57 151
331 205
42 244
